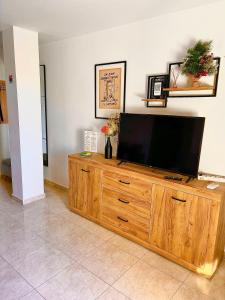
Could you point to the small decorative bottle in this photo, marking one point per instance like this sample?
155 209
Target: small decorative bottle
108 149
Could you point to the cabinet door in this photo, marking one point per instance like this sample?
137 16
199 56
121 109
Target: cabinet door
180 224
84 188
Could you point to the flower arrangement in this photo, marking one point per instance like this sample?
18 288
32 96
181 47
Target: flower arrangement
111 127
199 60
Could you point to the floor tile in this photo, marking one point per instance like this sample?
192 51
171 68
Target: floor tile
105 234
207 286
112 294
219 293
78 244
73 218
12 285
56 204
186 293
75 282
32 296
7 223
18 244
40 265
56 227
143 282
35 220
128 246
108 262
166 266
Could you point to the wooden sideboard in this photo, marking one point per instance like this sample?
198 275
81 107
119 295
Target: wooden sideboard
184 222
3 103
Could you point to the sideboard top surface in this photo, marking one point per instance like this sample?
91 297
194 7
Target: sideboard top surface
155 175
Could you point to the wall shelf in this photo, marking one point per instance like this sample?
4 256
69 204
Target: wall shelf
200 88
152 100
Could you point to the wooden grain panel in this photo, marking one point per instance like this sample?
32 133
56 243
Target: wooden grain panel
181 228
72 168
95 193
129 184
126 203
85 188
132 224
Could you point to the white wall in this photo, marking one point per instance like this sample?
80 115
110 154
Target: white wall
21 57
148 47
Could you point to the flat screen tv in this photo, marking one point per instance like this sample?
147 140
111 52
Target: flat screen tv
167 142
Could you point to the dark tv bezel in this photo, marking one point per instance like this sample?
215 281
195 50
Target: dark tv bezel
158 168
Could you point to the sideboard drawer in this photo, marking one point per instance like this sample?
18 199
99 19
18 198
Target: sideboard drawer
129 184
126 222
126 203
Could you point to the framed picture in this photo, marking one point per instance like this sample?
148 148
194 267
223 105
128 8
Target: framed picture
181 85
110 89
156 96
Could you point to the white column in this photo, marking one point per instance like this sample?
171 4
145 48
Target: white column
21 58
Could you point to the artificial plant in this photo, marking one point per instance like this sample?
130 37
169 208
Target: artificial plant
199 60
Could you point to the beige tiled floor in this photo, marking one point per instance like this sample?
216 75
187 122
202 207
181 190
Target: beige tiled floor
47 252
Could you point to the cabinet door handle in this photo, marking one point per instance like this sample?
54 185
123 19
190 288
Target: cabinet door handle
122 219
124 182
123 201
177 199
85 171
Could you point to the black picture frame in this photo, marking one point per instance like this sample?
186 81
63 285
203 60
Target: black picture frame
155 86
122 64
182 94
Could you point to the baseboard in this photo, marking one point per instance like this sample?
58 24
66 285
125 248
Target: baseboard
56 185
29 200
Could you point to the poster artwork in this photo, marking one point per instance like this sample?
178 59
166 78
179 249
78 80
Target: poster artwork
110 88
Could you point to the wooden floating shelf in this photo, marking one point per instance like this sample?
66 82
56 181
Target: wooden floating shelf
200 88
153 100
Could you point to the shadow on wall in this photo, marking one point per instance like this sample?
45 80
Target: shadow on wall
162 111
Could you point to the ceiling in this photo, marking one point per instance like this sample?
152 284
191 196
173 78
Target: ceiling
59 19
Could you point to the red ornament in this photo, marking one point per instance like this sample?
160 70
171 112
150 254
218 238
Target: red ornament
203 73
105 129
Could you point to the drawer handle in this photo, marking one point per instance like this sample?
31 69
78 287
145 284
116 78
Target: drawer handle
122 219
124 201
177 199
85 171
124 182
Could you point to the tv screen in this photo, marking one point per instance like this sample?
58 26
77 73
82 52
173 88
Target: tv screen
172 143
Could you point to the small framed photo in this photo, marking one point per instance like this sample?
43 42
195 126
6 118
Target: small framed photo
181 85
156 96
110 89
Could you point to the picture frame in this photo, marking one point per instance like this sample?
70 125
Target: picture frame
156 96
110 88
180 87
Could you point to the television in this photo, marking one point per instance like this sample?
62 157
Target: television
172 143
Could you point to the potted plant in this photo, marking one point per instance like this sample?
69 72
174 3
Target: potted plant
199 62
110 129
